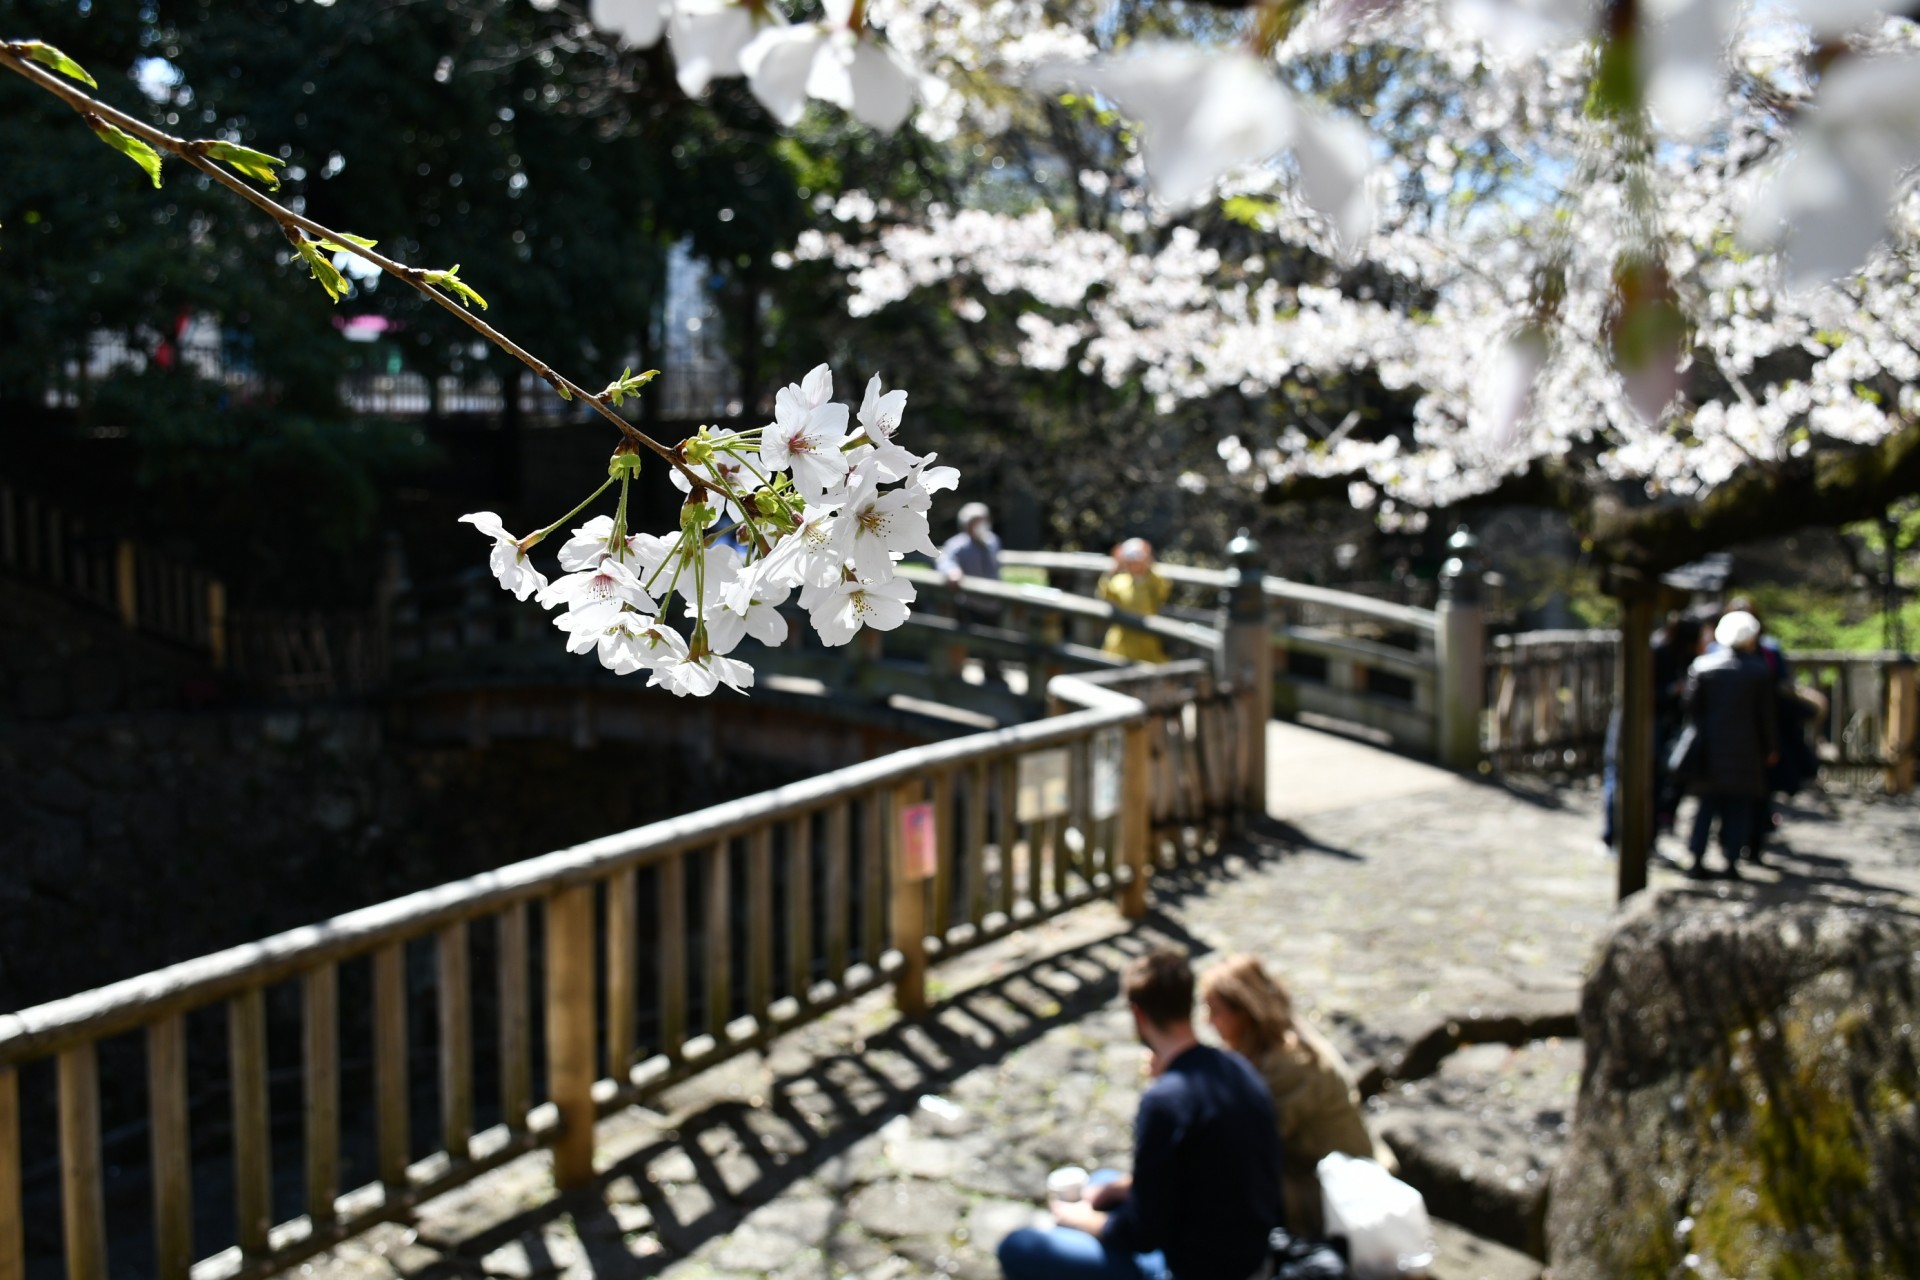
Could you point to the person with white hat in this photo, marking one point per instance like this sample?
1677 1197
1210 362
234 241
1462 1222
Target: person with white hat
1735 737
974 552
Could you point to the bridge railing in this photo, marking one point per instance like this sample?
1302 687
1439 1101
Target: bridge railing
641 958
1551 693
1549 696
1336 654
1870 725
149 590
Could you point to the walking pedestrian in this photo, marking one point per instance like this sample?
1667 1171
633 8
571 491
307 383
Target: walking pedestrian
1730 711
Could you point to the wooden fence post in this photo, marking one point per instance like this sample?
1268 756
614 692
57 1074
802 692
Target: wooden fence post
1462 653
126 592
1246 662
217 624
82 1198
570 1032
1633 755
1903 718
1136 820
13 1247
909 897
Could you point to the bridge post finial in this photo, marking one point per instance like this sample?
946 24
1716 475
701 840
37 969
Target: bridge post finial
1462 646
1246 662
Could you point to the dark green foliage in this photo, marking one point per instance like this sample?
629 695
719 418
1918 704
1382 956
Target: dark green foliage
556 171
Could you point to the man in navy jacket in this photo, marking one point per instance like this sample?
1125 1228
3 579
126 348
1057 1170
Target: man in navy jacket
1205 1190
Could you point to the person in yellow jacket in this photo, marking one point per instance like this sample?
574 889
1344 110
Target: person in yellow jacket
1136 587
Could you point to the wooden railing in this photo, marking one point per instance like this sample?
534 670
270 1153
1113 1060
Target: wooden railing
703 936
1549 696
1337 655
1871 728
1551 693
148 590
303 657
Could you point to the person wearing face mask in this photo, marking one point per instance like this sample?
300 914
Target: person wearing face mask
973 552
1134 585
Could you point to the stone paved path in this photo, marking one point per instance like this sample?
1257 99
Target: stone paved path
865 1146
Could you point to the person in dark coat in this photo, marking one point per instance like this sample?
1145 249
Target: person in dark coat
1673 655
1794 764
1204 1197
1730 707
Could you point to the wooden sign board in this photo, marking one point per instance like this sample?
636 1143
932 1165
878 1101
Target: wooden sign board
919 843
1043 790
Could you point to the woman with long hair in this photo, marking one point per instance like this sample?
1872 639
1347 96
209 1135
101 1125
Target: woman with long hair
1315 1104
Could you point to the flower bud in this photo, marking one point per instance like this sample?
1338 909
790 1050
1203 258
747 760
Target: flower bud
767 502
625 460
699 450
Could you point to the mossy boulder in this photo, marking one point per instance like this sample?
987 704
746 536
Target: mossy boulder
1750 1105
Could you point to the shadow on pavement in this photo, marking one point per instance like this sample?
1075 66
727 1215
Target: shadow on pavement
809 1117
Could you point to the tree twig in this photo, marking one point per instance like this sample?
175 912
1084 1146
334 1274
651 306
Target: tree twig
299 228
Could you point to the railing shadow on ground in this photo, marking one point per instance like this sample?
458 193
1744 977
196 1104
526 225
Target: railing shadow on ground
996 1018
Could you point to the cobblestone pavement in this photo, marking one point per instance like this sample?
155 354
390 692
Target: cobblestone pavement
862 1145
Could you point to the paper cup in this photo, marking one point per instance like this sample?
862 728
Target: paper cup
1068 1183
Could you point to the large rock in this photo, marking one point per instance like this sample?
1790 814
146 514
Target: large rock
1751 1100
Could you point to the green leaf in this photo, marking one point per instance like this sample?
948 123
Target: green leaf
450 281
322 269
125 143
257 165
628 384
42 52
352 244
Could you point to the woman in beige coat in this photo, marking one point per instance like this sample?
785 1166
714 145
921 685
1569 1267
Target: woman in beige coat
1314 1101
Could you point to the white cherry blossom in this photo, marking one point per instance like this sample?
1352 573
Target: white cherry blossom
1202 113
812 555
593 597
636 642
708 36
878 526
639 23
749 606
593 541
508 562
806 438
839 612
687 675
1831 196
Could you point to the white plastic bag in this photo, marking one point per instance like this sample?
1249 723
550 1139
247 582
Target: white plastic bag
1383 1219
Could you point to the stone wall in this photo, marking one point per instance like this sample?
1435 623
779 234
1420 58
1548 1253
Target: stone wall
1751 1099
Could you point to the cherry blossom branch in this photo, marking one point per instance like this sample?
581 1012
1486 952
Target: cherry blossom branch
300 230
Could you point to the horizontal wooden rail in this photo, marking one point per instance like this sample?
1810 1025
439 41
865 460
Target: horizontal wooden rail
1279 590
136 1001
910 858
1336 647
1054 600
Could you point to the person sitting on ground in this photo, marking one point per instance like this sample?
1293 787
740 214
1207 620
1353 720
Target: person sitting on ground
1205 1190
1134 585
1316 1109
